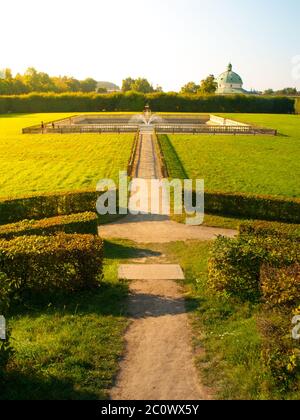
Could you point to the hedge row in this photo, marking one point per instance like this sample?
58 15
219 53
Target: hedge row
49 263
235 264
297 106
42 264
47 205
253 206
264 229
132 101
84 223
226 204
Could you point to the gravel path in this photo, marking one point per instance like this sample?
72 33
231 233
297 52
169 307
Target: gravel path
159 362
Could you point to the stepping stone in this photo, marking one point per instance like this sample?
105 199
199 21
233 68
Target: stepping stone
150 272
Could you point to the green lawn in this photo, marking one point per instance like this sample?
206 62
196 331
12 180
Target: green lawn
249 164
54 162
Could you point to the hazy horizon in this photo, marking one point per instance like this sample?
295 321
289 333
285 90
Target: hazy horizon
168 42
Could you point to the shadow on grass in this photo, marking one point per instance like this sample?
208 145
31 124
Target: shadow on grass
107 300
17 385
118 251
171 156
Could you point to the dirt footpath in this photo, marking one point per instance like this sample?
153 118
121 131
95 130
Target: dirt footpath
158 363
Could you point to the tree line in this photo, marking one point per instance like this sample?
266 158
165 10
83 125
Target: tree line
35 81
40 82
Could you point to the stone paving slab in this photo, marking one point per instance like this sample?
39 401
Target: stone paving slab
150 272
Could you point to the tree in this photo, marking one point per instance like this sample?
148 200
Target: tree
269 92
127 84
142 85
208 85
88 85
288 91
138 85
190 88
101 90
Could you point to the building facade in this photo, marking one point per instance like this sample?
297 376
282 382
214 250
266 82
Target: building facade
230 82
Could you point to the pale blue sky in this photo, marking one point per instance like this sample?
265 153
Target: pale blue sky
170 42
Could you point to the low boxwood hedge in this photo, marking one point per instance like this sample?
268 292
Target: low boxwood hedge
85 223
51 263
47 205
263 229
253 206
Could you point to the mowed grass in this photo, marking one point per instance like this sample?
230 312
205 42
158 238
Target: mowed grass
54 162
249 164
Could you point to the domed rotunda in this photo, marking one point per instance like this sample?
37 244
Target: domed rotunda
230 82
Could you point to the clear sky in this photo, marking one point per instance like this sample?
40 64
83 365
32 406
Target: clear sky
170 42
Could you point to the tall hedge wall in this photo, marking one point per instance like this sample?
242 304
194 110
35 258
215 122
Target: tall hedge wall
131 101
297 106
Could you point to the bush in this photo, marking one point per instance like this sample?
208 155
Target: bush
253 206
47 205
47 264
280 352
85 223
280 286
6 287
133 101
235 264
234 268
263 229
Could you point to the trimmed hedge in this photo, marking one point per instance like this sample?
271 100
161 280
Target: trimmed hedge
235 264
226 204
253 206
51 263
280 286
44 265
297 106
133 101
84 223
263 229
47 205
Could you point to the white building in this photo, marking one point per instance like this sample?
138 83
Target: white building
230 82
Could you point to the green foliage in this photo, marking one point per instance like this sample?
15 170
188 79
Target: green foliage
34 81
51 263
235 264
234 268
280 285
84 223
263 228
47 205
297 106
280 353
253 206
208 86
190 88
158 102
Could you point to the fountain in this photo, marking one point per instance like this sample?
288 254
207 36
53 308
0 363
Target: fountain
147 120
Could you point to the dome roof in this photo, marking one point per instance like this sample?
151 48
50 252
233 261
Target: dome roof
229 77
